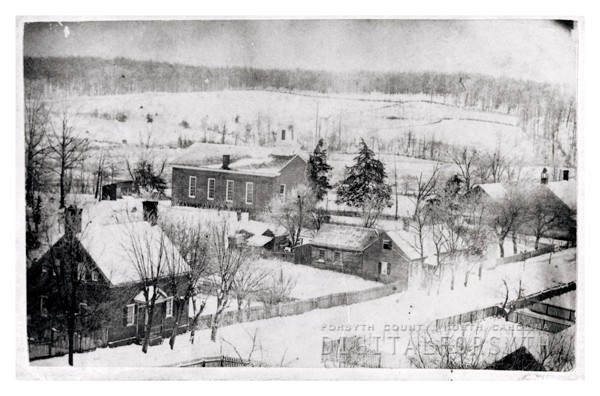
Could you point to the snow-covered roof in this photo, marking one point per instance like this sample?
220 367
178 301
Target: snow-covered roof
493 190
266 161
259 228
112 248
344 237
258 240
566 191
408 242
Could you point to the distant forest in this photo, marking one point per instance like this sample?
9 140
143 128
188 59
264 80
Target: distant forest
546 112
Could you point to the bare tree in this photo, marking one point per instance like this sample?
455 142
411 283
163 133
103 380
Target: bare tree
36 150
545 213
66 147
503 214
372 209
293 212
227 258
145 168
450 351
467 160
278 290
186 262
509 306
426 187
557 351
494 166
147 253
248 284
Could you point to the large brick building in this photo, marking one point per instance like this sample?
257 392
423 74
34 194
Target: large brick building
240 178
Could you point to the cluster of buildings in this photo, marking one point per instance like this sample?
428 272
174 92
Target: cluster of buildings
234 182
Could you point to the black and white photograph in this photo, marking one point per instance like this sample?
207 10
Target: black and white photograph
385 194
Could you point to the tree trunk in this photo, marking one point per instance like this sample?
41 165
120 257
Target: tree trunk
62 189
175 330
148 329
501 246
537 242
514 241
213 330
71 338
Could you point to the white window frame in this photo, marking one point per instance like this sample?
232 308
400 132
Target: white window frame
323 254
130 316
169 307
208 189
282 194
190 193
384 269
251 195
95 276
227 197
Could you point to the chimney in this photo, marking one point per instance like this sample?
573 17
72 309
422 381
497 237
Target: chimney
150 211
72 220
226 161
405 224
544 176
565 174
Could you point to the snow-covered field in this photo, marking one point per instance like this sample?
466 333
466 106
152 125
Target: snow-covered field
299 339
313 282
377 117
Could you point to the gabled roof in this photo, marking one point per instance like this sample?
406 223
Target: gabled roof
494 190
519 360
258 240
566 191
344 237
407 241
261 161
111 248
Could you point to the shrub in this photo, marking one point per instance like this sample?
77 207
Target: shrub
121 117
106 116
184 124
149 118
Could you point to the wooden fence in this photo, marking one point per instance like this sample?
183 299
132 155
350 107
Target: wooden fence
299 307
515 317
524 256
217 361
58 345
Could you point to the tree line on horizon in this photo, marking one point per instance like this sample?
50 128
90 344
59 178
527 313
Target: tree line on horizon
546 112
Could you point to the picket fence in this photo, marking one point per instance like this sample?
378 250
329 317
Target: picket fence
298 307
524 256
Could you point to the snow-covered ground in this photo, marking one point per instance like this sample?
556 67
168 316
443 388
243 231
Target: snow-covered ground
313 282
300 338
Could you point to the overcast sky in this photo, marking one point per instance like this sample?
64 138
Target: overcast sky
540 50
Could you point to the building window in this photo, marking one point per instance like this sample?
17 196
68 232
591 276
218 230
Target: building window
192 187
282 192
81 272
249 193
130 314
387 244
321 254
283 134
384 268
210 191
337 257
94 276
43 309
229 191
169 307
